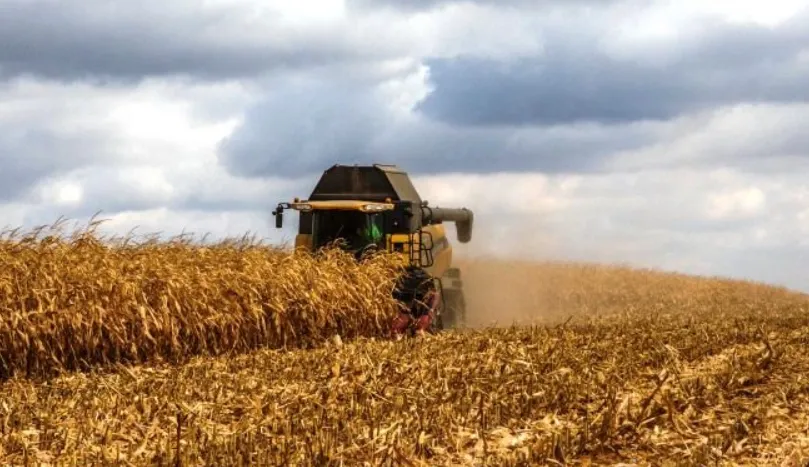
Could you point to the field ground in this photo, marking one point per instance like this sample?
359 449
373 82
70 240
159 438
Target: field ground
627 366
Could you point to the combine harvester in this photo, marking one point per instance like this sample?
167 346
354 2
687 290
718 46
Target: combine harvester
366 209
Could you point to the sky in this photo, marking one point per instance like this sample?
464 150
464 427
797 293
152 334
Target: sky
662 134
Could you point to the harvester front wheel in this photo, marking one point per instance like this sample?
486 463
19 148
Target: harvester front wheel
454 309
454 302
438 315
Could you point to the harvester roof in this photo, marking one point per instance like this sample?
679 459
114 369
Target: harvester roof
376 182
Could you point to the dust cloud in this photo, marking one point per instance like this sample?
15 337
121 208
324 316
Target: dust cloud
502 292
506 275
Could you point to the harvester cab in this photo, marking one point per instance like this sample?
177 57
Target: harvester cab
376 208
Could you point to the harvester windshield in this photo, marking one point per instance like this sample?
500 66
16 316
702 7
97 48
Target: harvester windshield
357 229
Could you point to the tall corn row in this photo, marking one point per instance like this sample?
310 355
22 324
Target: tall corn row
76 302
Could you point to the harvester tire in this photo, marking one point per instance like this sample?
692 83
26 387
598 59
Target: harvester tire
454 308
438 323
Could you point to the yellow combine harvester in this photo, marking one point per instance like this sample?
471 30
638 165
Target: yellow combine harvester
376 208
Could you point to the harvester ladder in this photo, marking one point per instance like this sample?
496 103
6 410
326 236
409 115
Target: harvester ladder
421 256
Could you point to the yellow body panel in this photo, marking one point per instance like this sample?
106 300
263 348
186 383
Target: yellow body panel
441 249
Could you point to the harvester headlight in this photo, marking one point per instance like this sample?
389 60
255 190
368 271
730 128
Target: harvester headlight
373 207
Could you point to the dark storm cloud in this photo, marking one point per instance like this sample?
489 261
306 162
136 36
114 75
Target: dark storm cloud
300 130
576 81
575 108
441 149
119 40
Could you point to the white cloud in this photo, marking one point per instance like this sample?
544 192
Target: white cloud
480 30
63 193
307 11
736 204
764 136
769 13
159 151
13 215
687 220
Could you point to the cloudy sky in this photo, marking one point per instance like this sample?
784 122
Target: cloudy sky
669 134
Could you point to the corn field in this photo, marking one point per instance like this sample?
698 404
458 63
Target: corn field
235 354
79 301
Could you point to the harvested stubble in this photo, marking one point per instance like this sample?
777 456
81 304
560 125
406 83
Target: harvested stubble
78 301
684 371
